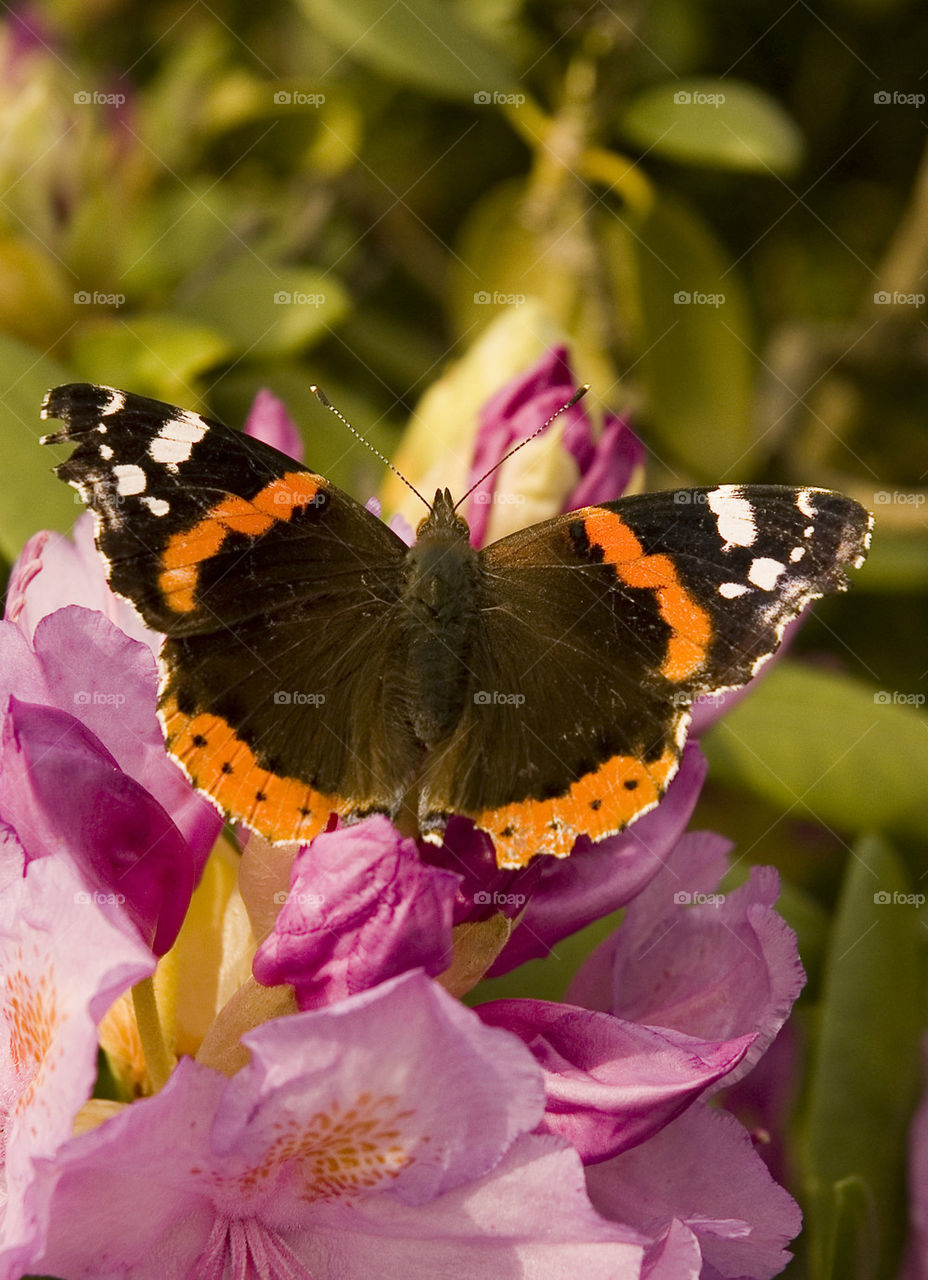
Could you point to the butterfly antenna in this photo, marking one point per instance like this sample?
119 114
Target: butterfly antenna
327 404
577 395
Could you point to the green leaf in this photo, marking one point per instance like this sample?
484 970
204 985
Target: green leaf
33 498
693 336
160 355
268 310
865 1078
829 748
722 124
416 42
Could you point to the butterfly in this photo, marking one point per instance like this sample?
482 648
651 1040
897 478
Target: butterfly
314 664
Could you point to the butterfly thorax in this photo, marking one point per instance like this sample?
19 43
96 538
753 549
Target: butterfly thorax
439 597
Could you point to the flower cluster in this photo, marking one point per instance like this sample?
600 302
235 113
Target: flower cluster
289 1083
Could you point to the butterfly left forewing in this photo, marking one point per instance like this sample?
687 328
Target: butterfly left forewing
278 596
606 623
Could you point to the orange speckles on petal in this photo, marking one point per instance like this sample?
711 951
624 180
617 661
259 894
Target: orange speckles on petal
31 1014
339 1152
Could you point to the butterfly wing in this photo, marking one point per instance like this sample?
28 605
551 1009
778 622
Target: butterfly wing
278 597
598 630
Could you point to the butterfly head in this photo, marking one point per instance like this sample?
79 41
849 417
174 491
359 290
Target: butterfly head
443 522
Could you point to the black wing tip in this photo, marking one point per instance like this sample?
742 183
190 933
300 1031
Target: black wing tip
79 405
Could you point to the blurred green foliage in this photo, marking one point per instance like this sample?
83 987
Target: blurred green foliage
724 207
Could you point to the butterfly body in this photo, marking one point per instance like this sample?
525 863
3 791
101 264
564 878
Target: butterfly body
541 686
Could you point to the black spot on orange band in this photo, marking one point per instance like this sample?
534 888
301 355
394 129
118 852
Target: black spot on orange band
598 804
221 764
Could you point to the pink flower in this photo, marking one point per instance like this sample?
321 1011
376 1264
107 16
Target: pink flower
63 963
388 1135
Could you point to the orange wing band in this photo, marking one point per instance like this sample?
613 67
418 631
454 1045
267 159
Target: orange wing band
221 764
690 625
187 550
598 804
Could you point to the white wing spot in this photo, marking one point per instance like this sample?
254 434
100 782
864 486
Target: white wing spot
731 590
115 402
764 573
796 554
174 442
734 516
803 502
157 506
808 531
105 452
130 480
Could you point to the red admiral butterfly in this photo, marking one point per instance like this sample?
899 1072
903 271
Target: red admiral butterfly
314 664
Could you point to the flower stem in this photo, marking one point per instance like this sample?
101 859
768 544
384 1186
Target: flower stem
151 1033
